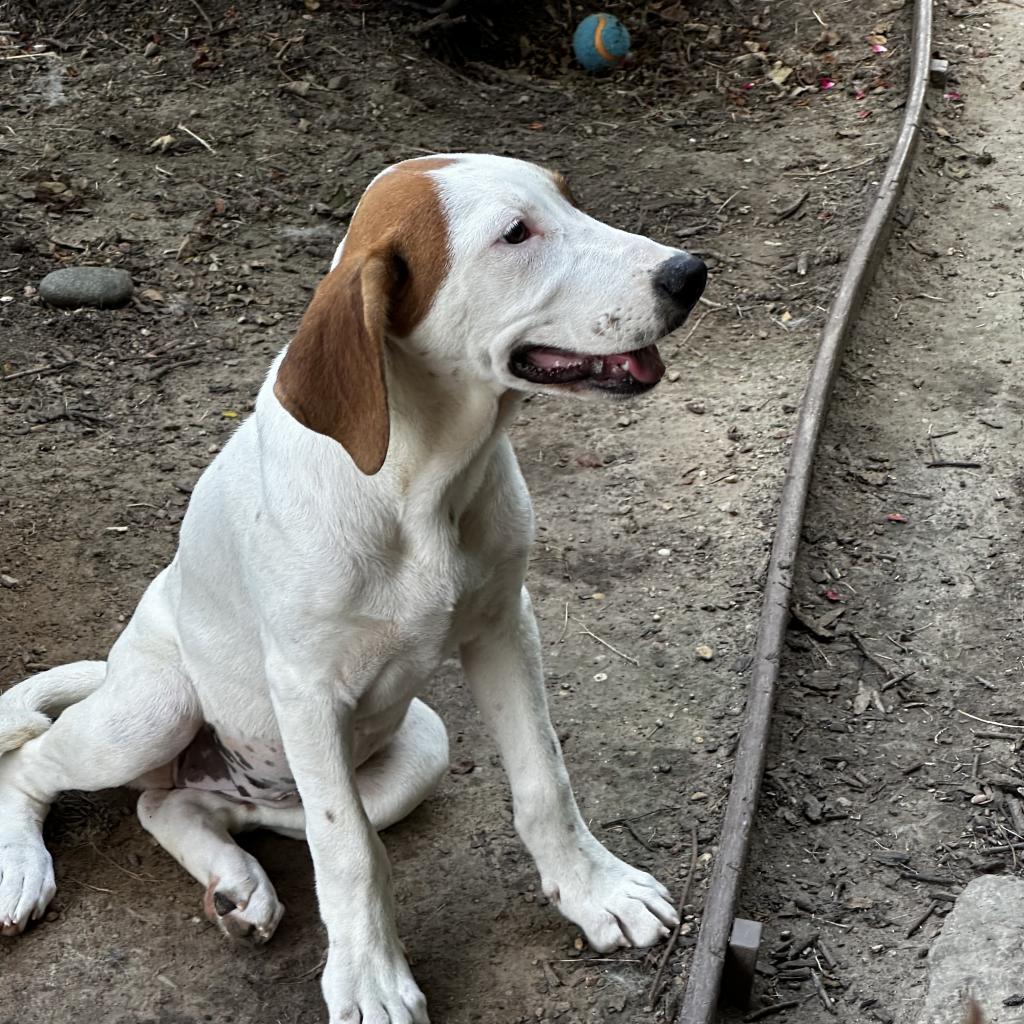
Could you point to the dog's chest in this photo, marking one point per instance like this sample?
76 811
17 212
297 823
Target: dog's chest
422 611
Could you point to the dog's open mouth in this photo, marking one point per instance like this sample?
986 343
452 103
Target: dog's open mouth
622 372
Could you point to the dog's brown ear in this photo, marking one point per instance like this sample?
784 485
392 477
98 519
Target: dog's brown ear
332 377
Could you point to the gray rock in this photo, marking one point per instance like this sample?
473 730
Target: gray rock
99 287
981 952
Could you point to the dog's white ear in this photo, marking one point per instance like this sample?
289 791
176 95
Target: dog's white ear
332 377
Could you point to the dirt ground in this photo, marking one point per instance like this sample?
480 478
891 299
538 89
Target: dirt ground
217 153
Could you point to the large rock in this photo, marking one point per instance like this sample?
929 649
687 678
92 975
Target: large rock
99 287
980 951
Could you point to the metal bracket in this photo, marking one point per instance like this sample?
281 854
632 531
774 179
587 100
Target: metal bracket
741 962
938 72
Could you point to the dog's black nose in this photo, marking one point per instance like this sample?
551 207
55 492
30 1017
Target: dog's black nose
681 280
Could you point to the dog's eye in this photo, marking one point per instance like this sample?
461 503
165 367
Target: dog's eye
517 233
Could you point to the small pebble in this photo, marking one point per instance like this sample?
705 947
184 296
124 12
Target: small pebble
673 376
698 796
664 552
704 652
97 287
600 677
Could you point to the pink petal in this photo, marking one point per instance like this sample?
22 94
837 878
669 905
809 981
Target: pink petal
826 83
879 48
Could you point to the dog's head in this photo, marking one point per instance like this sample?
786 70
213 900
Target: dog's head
484 268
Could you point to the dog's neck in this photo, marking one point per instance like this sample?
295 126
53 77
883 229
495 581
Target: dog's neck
443 430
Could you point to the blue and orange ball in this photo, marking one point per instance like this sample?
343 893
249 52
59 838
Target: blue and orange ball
601 42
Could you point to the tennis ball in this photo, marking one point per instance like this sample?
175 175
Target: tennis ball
600 42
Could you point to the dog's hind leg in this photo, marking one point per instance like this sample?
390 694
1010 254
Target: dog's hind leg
403 774
139 719
195 826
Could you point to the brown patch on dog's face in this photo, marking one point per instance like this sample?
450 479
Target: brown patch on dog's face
393 263
563 187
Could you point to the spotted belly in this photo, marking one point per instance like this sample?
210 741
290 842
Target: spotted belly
246 769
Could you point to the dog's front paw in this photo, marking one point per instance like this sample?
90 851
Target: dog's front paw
365 986
26 879
615 904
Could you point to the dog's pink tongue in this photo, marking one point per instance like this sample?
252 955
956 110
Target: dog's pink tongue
644 364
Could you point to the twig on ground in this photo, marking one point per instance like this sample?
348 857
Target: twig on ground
614 650
121 867
625 823
985 721
655 989
700 320
770 1011
932 907
438 21
831 170
53 368
726 203
304 975
73 13
873 658
202 142
822 994
206 17
89 885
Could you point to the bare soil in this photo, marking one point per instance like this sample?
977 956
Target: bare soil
655 518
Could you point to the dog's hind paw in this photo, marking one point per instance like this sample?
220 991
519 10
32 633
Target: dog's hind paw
26 880
244 906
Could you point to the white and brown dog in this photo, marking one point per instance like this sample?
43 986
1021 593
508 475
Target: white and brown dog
367 521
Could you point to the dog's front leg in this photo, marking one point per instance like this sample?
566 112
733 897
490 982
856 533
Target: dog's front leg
366 979
614 904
